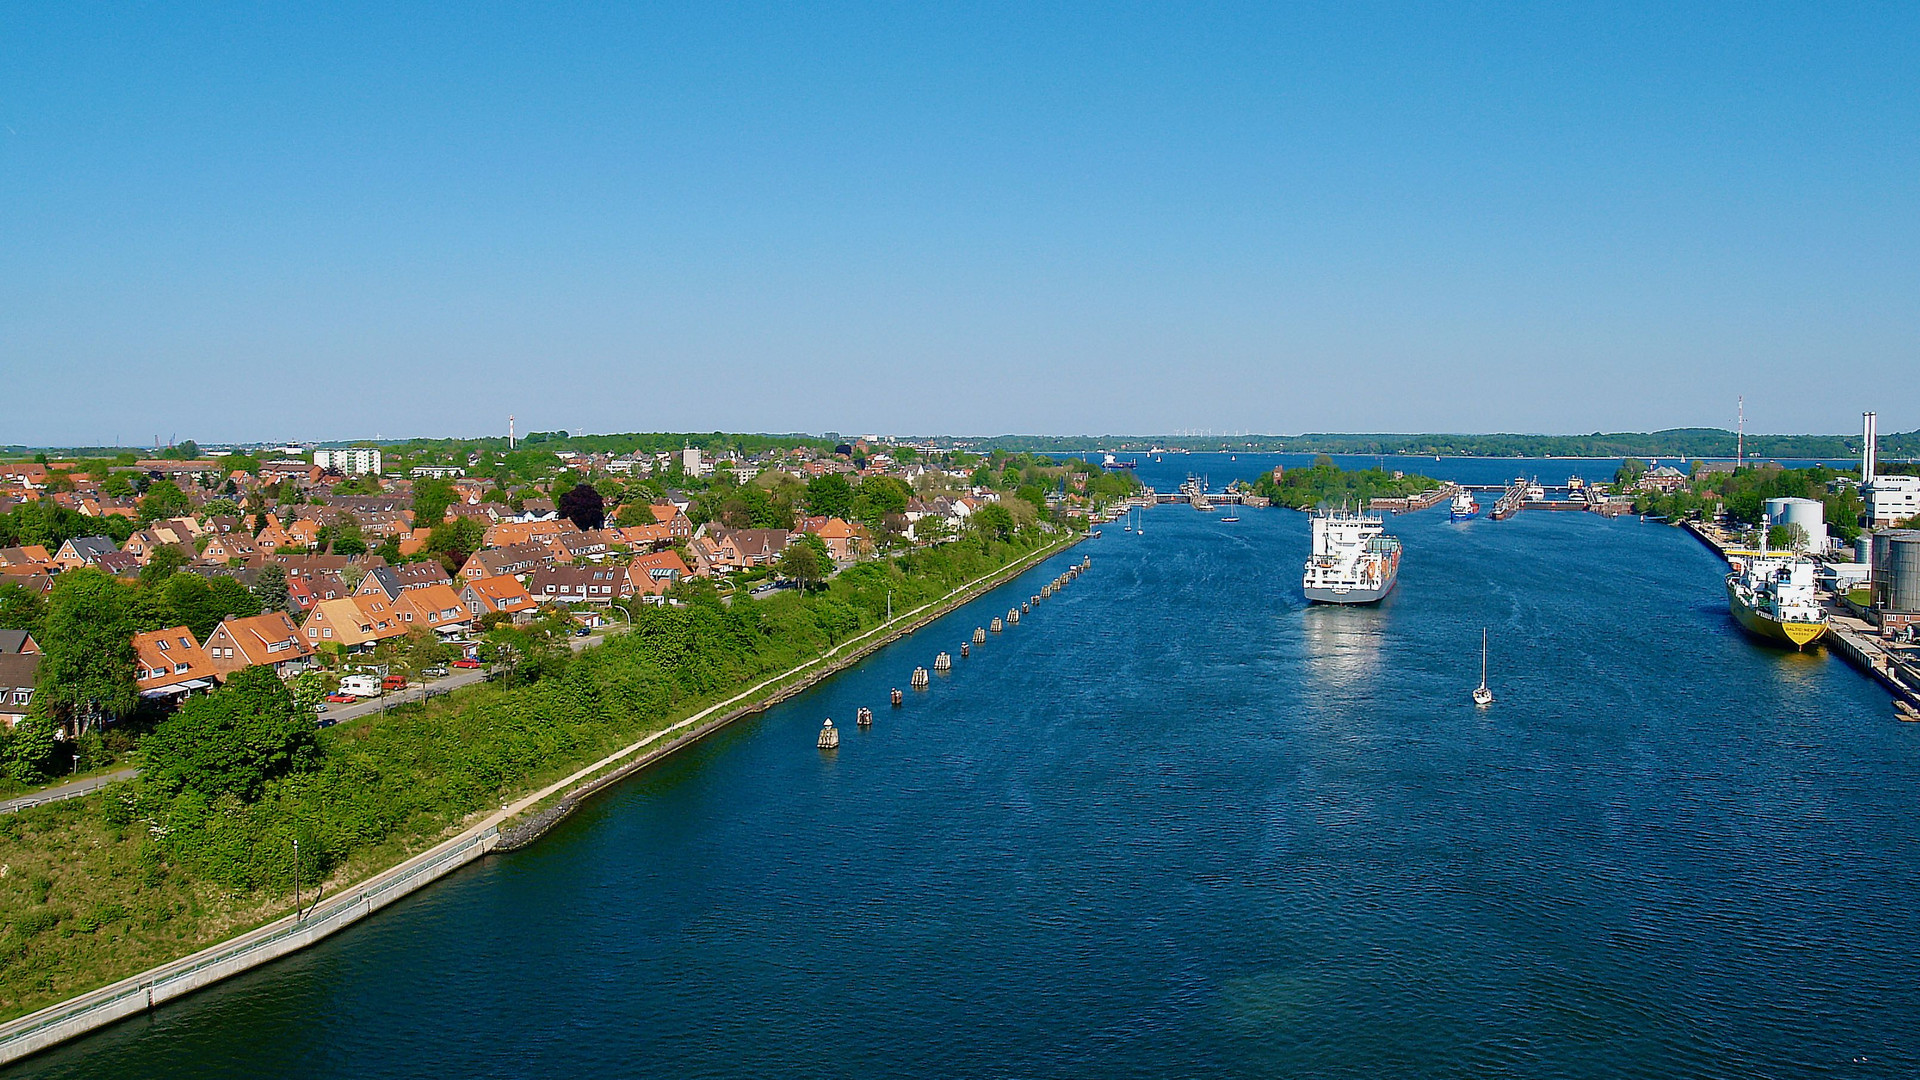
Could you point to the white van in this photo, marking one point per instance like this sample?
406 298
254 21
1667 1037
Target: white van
361 685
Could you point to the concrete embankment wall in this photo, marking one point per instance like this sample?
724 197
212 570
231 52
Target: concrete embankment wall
139 993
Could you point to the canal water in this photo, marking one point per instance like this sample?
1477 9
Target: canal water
1178 823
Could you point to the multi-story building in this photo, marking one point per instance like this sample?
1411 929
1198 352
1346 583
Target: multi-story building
351 462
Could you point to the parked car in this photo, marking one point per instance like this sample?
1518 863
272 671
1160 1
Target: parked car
320 708
435 672
341 699
582 632
467 663
394 682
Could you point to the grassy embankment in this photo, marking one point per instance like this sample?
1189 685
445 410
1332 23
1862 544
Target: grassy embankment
95 889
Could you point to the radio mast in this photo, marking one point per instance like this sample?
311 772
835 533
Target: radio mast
1740 452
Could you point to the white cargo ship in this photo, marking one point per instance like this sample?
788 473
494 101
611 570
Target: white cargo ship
1353 560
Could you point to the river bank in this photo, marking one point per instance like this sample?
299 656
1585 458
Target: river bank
1180 822
355 899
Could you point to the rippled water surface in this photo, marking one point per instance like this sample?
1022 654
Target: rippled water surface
1179 823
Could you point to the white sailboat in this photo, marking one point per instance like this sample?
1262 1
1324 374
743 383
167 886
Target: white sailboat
1482 696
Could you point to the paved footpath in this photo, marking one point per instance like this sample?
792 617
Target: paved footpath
66 791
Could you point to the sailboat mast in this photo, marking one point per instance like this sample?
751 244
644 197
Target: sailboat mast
1483 658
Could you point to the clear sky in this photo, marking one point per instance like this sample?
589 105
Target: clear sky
272 221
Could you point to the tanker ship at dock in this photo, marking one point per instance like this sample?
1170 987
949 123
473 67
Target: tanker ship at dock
1772 597
1353 560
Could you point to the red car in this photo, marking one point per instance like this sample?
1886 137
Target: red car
341 699
464 663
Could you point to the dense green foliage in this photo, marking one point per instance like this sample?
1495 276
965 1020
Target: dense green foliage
1326 484
1743 495
49 524
227 744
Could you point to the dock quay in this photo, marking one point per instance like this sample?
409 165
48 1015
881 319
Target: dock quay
1521 495
1858 640
1408 504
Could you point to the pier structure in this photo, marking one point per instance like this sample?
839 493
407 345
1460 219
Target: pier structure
1857 640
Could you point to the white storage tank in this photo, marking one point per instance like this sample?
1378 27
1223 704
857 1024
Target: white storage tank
1810 515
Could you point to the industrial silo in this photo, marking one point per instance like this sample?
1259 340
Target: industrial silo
1896 570
1811 516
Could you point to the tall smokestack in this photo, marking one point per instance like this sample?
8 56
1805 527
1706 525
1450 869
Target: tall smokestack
1869 434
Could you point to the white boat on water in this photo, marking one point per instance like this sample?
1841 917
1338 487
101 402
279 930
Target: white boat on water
1463 506
1353 560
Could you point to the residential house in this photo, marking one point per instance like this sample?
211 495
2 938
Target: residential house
171 664
652 575
844 542
508 533
574 545
642 537
391 581
27 555
436 607
353 622
119 564
577 584
272 538
18 671
751 547
14 642
302 473
32 577
233 545
674 518
510 561
83 551
144 542
501 593
269 640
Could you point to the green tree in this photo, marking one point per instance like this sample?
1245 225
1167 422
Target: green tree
309 690
32 749
117 486
431 498
877 498
802 563
88 669
454 541
830 496
270 588
993 522
231 742
163 499
21 609
345 538
162 563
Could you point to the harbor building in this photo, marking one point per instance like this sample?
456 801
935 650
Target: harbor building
1890 499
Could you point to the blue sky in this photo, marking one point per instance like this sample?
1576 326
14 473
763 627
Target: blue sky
264 221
